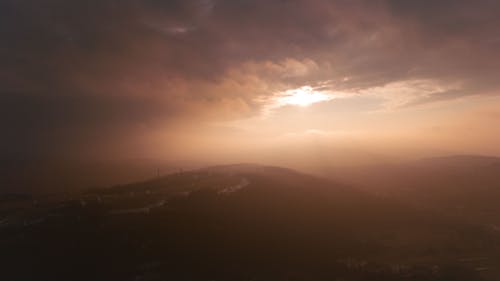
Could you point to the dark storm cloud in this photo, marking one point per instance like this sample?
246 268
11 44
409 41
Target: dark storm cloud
104 66
459 39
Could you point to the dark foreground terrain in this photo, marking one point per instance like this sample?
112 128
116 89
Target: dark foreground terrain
240 222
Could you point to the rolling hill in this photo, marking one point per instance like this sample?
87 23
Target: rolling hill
238 222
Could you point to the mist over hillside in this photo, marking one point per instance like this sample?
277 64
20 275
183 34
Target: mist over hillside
250 140
463 186
240 222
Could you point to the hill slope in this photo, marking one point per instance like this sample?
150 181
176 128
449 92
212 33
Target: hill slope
238 222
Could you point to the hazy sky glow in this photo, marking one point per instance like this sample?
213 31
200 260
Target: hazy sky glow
245 80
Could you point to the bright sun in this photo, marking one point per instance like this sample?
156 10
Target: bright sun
303 96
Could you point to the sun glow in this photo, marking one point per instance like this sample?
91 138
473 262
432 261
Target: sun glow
303 96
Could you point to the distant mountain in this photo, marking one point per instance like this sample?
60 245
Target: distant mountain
49 177
463 186
462 160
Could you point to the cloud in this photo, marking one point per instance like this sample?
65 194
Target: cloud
123 68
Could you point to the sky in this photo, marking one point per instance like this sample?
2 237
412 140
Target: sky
283 81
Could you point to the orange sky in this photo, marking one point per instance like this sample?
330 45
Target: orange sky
289 82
